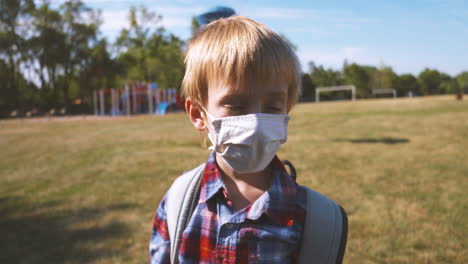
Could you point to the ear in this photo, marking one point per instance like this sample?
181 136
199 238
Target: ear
196 114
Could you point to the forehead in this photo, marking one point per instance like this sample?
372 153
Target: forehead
218 90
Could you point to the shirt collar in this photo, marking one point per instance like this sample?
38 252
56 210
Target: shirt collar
278 202
211 182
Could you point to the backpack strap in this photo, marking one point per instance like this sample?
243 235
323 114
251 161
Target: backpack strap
325 231
181 201
292 170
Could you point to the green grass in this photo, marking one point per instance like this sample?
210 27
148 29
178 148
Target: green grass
85 191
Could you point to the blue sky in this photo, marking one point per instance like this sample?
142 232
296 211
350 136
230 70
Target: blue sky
406 35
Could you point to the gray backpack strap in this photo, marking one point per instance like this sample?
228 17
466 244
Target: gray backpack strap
181 201
325 231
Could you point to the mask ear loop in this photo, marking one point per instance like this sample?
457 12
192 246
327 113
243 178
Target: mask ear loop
203 134
209 118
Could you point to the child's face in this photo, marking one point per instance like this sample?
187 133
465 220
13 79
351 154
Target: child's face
224 100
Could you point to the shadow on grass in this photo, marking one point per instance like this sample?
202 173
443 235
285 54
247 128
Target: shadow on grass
41 233
384 140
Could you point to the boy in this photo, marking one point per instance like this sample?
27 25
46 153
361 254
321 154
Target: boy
241 81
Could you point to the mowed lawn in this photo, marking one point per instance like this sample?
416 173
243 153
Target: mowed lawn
85 191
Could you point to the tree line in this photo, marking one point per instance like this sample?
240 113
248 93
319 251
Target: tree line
367 78
55 56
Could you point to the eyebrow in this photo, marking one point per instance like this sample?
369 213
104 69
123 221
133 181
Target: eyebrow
231 96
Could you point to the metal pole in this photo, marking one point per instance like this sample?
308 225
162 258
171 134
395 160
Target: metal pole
101 97
112 102
127 99
150 99
116 102
119 101
158 97
95 102
134 99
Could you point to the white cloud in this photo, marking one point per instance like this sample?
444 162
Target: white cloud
177 11
272 12
309 20
87 2
337 16
172 22
172 18
114 20
101 1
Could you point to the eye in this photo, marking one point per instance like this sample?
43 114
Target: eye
234 107
274 109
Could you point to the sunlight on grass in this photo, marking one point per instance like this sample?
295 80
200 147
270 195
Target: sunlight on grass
86 190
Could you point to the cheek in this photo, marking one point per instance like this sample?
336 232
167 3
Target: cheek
285 105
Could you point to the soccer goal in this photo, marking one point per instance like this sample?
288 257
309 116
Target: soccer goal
335 88
384 91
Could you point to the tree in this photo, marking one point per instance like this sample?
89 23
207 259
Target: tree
12 50
150 55
307 89
408 83
167 62
79 26
449 85
195 26
430 81
133 42
462 80
98 71
46 52
385 78
360 77
322 77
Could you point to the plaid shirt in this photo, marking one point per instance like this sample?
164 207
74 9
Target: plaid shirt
267 231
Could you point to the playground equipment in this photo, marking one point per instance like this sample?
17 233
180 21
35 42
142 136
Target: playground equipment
135 98
335 88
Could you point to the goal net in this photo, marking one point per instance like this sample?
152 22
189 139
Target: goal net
334 89
376 92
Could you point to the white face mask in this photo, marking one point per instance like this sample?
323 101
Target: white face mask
248 143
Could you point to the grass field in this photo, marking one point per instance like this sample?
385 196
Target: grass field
85 191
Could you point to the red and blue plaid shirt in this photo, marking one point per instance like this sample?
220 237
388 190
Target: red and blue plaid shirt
267 231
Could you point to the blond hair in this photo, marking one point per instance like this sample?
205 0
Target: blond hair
237 51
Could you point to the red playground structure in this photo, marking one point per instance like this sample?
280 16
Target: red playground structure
136 98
